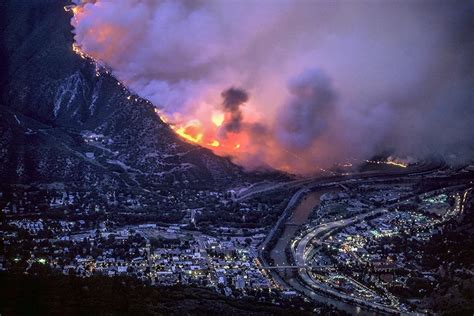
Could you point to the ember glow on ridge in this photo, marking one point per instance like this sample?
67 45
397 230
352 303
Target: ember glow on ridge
324 81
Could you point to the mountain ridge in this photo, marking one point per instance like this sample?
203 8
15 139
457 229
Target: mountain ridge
64 118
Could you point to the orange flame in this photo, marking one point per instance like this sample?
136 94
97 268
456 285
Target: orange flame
215 143
204 131
191 131
217 119
205 135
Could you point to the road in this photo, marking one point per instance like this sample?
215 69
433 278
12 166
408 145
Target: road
300 255
304 247
302 250
331 182
419 169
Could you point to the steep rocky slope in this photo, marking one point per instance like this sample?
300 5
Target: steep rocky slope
63 119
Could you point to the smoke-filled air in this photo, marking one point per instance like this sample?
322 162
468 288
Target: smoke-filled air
296 85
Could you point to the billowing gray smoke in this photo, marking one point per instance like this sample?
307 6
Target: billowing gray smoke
329 80
233 99
308 111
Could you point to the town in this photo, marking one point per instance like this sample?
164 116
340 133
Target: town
361 242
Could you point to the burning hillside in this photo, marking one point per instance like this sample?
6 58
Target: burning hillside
294 85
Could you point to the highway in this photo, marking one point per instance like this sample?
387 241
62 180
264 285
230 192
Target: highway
308 286
307 184
419 169
304 247
300 253
302 250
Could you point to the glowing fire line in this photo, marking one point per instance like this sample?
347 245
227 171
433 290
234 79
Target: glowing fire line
388 162
181 130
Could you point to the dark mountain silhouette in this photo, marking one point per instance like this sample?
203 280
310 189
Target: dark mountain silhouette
62 119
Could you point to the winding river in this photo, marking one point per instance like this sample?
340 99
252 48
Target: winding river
299 217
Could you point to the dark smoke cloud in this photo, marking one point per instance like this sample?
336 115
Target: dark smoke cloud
233 99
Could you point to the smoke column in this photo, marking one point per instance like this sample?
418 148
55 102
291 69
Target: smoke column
320 82
233 99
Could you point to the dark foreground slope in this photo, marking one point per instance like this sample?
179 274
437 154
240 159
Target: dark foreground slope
62 119
62 295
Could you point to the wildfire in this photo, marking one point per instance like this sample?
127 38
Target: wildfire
398 164
78 51
203 131
182 132
75 9
191 131
72 8
215 143
217 119
389 162
196 132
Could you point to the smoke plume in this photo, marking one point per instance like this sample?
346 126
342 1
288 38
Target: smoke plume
306 115
329 80
233 99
